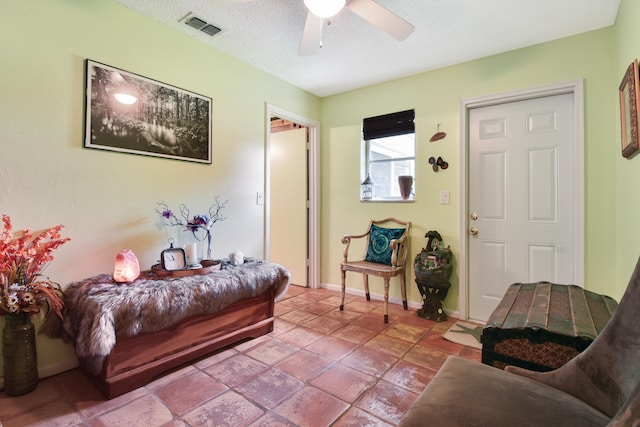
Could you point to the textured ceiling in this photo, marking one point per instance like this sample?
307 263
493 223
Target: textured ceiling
266 34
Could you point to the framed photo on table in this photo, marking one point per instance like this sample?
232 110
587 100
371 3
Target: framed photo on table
628 92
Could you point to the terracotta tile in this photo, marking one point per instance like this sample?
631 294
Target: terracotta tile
311 407
171 377
354 334
45 393
215 358
361 305
343 316
236 369
272 351
144 411
189 391
281 326
229 409
298 316
369 361
406 332
471 354
270 388
300 337
372 321
57 413
435 341
343 382
387 401
358 418
390 345
252 343
94 403
424 356
272 420
410 376
296 302
304 365
323 325
332 348
318 308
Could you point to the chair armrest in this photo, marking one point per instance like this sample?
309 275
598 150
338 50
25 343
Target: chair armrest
346 239
395 245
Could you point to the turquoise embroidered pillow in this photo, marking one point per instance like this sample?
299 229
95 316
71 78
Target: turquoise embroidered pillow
379 239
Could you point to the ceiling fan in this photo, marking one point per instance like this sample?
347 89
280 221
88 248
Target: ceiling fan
369 10
321 10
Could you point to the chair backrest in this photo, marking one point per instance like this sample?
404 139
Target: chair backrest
607 374
399 257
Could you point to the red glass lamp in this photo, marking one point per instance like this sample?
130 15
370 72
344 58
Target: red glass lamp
127 268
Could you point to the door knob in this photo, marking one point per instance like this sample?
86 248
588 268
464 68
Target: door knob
474 216
473 231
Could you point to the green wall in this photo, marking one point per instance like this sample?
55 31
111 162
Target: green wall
436 98
627 204
107 200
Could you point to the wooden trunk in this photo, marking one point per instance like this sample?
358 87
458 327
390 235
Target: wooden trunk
541 326
135 361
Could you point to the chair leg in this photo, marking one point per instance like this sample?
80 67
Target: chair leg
386 300
343 273
365 279
403 289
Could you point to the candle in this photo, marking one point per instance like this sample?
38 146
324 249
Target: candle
191 250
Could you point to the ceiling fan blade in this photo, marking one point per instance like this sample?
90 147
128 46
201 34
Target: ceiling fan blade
382 18
311 36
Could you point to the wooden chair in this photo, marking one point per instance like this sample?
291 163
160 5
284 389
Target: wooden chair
383 244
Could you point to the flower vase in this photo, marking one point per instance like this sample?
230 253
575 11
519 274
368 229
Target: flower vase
405 182
19 354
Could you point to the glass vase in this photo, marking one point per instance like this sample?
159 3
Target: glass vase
19 354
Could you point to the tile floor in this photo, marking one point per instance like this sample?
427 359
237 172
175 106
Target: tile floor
319 367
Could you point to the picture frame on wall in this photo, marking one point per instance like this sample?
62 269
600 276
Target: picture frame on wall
129 113
628 93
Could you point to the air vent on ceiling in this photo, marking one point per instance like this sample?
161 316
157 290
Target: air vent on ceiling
202 25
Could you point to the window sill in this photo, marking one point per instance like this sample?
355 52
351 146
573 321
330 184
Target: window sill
387 201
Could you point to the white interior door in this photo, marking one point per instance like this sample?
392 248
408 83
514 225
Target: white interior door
288 193
521 197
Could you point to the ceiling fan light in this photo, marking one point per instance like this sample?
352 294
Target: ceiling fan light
324 8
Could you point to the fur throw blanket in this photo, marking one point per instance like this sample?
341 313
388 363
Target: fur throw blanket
98 309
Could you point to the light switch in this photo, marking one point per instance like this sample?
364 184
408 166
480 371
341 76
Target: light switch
260 198
444 197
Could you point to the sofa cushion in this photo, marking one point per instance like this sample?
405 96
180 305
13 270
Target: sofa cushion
467 393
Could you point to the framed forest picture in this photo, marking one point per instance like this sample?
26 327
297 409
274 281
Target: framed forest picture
130 113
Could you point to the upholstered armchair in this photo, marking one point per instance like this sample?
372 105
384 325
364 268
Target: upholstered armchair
599 387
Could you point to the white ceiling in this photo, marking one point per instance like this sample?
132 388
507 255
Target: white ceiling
266 34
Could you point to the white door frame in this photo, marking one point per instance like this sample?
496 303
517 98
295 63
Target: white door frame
575 87
314 192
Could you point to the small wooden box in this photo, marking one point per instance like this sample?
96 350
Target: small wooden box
541 326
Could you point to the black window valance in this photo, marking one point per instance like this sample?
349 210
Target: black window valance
387 125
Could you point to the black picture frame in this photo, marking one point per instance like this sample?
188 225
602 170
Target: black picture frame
129 113
628 93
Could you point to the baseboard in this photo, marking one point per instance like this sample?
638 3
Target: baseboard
379 297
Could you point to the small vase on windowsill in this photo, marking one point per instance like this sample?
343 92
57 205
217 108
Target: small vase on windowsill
19 354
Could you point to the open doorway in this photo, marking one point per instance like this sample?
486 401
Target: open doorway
291 195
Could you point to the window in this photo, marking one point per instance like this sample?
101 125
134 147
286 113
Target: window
389 152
